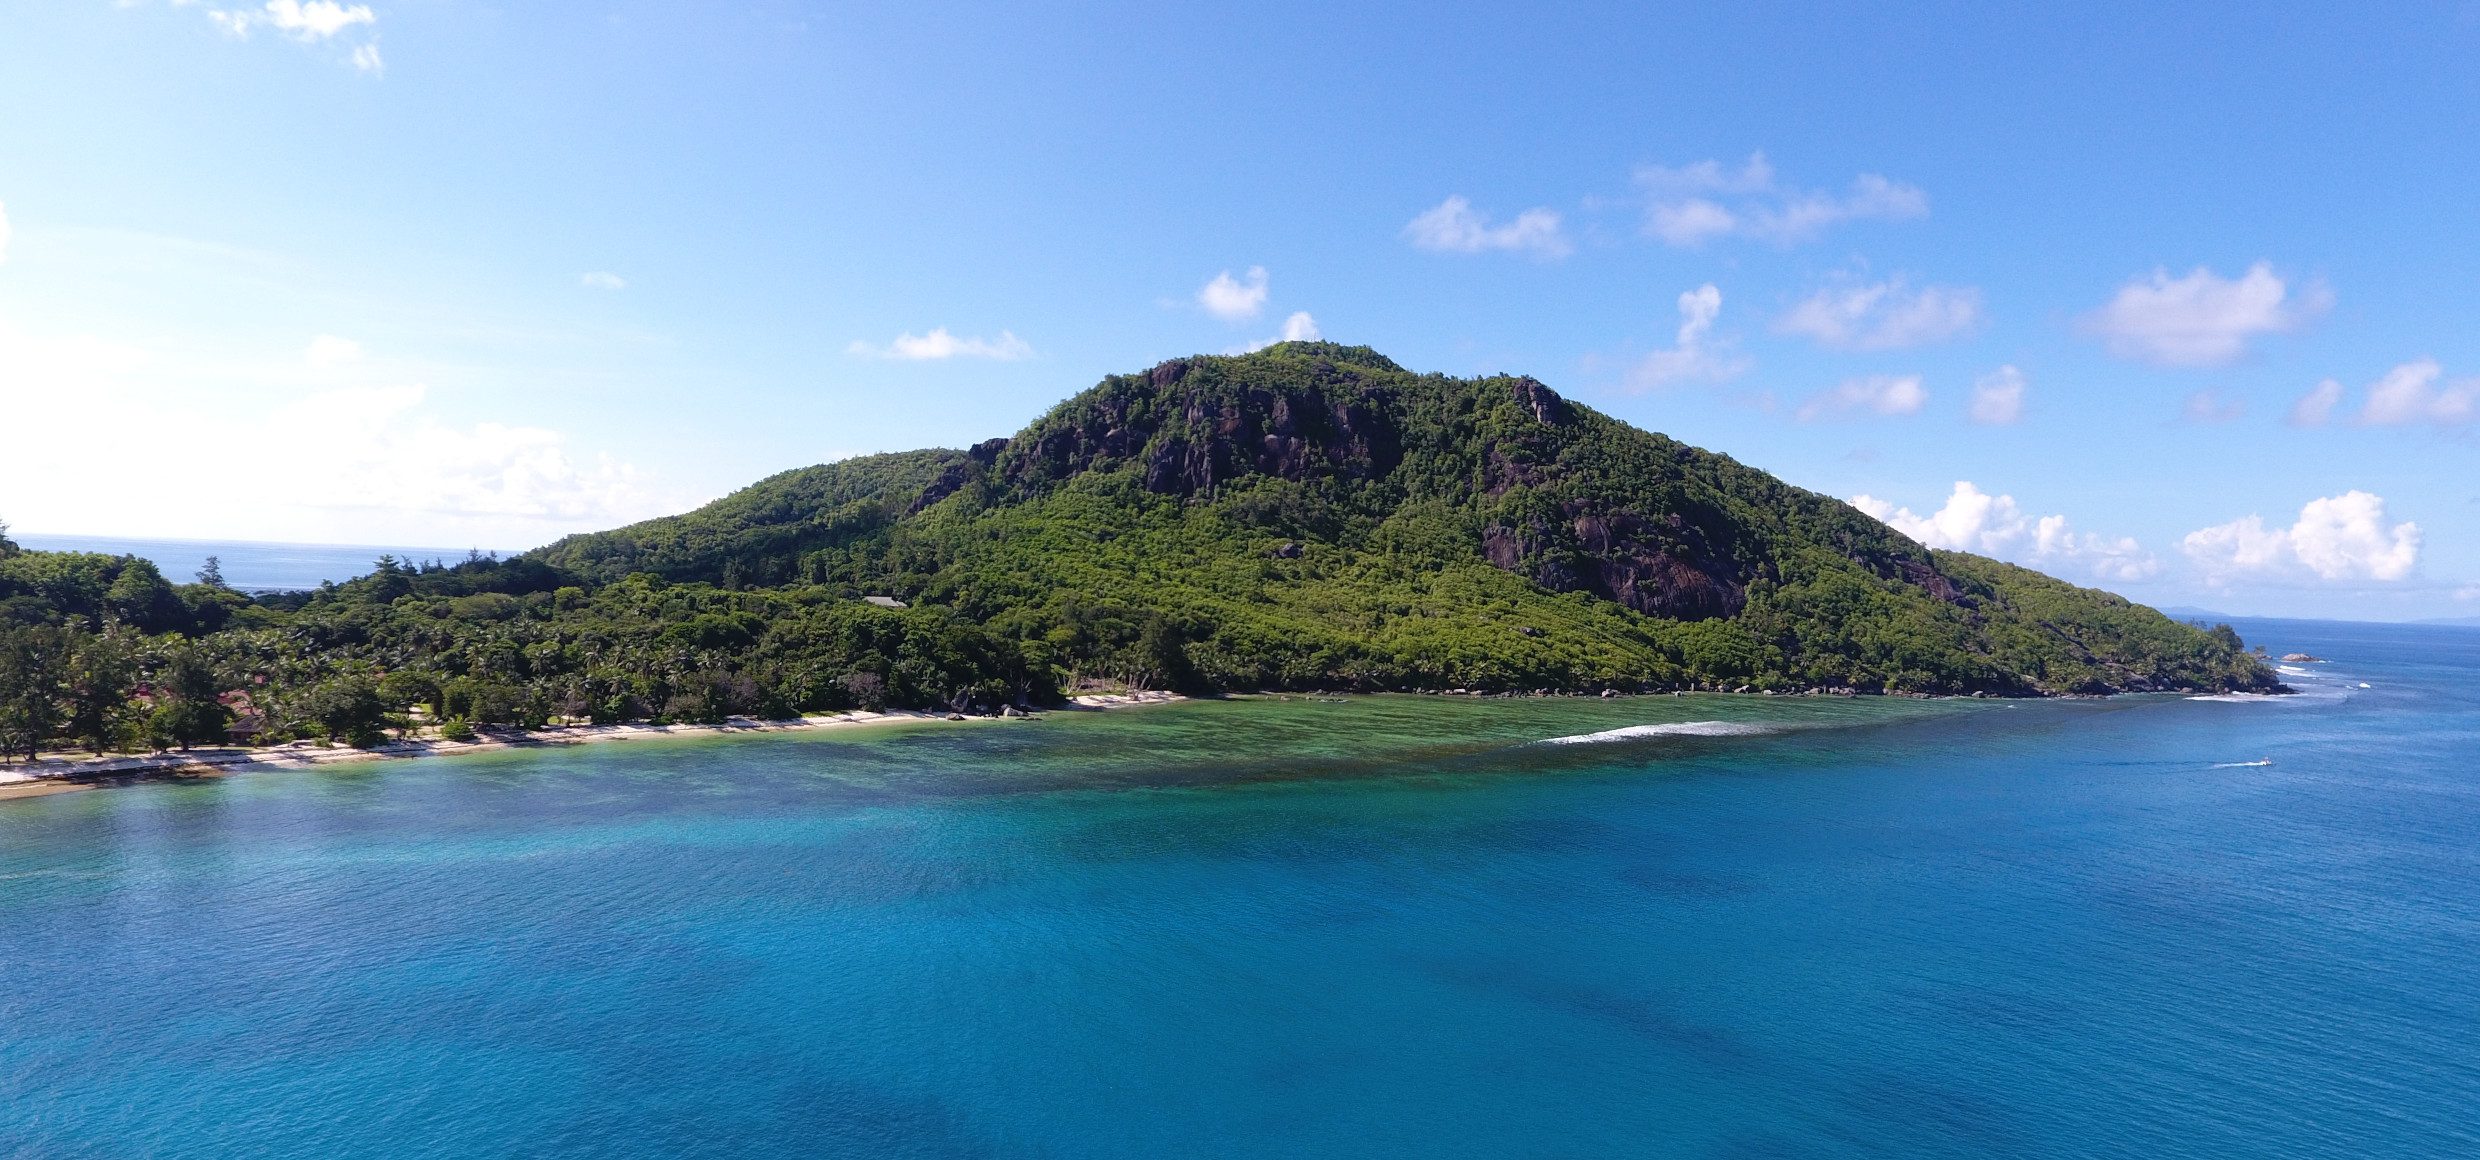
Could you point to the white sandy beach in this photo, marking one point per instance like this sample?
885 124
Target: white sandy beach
60 775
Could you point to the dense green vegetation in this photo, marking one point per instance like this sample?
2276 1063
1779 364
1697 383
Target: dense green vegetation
1307 517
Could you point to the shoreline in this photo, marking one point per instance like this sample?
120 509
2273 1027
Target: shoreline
45 778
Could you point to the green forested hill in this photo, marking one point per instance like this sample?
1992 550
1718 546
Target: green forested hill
1310 516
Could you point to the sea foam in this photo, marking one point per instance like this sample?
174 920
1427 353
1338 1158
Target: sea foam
1671 729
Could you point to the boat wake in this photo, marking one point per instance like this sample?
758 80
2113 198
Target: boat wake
2256 764
1672 729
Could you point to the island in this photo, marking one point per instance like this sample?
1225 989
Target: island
1307 517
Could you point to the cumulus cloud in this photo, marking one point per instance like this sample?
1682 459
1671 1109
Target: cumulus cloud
2201 319
2343 537
602 280
1299 327
387 463
939 344
1998 397
1690 205
1886 315
1453 226
1233 299
1695 355
1870 394
1973 520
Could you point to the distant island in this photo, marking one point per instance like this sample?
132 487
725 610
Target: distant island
1307 517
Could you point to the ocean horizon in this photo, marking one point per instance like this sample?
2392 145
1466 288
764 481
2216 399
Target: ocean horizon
252 566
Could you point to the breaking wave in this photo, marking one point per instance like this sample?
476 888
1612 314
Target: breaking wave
1672 729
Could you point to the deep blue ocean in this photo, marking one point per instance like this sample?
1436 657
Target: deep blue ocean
1374 927
248 565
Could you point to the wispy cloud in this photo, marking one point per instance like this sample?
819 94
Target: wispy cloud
1885 395
1690 205
1888 315
939 344
602 280
1453 226
2208 406
1695 356
2316 408
1998 397
328 351
2342 537
1235 299
1973 520
2201 319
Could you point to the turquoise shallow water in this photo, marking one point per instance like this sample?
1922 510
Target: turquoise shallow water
1380 927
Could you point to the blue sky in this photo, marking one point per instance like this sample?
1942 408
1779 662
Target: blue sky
424 271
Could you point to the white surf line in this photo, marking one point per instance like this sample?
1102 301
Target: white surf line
1671 729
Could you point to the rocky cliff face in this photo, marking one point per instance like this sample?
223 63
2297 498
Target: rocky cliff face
1190 427
1189 435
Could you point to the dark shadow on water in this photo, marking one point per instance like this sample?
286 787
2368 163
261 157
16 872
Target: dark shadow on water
1644 1016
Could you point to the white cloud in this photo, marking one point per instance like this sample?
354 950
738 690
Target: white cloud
374 447
386 464
1453 226
939 344
1756 176
1886 315
1998 397
1297 328
2409 394
1233 300
2468 592
1973 520
366 58
2208 406
313 21
1872 394
2316 407
5 232
2343 537
1689 223
602 280
2201 319
1693 204
328 351
1694 355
